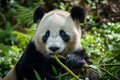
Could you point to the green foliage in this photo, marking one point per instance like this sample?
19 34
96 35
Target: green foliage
9 55
103 42
12 45
24 16
22 38
93 4
6 34
102 45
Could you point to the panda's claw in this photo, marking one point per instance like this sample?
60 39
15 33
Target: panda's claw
74 61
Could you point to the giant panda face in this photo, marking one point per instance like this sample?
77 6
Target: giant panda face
57 32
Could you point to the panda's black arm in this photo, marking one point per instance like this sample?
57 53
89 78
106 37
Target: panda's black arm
77 59
24 61
31 60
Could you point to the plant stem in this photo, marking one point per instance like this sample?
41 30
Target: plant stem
66 68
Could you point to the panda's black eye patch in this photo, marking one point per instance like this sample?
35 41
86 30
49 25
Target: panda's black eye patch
64 36
45 37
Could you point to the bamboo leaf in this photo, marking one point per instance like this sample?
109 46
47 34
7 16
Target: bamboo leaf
37 75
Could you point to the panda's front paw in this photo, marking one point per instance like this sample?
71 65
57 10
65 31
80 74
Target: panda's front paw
74 61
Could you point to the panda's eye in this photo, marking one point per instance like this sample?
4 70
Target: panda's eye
64 36
45 37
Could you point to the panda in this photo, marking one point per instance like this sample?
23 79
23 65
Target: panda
57 32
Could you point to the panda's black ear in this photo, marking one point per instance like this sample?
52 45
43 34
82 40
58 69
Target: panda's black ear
38 14
78 13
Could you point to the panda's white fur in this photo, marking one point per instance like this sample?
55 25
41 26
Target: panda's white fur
11 75
54 21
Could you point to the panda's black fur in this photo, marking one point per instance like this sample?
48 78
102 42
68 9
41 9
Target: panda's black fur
34 60
38 14
76 12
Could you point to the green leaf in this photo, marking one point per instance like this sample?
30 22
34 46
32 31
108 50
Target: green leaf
54 70
96 69
37 75
60 76
73 78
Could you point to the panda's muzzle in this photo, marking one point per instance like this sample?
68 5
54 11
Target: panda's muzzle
54 48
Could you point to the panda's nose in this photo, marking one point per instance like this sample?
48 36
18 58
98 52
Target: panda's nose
53 48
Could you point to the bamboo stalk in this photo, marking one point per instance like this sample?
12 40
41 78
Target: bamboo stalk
65 67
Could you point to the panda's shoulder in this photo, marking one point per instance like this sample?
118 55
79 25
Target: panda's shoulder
31 54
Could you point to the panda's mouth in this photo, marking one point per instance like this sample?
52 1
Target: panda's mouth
60 53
